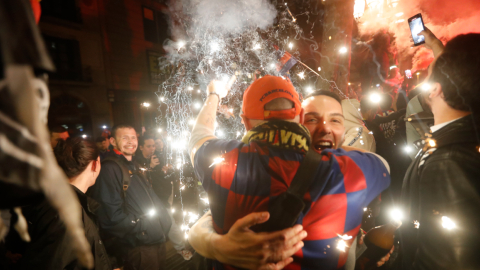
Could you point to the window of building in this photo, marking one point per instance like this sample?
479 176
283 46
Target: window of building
61 9
65 54
155 25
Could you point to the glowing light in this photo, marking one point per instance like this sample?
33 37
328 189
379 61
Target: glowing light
375 97
417 224
220 133
399 14
182 188
378 85
447 223
214 46
190 88
198 91
358 9
169 138
301 75
180 44
173 210
396 214
152 212
205 200
104 127
210 61
162 99
159 129
143 169
343 50
309 89
319 69
345 237
418 73
230 110
146 104
361 142
191 122
84 136
238 133
184 227
186 235
184 213
217 160
365 209
290 45
197 105
426 86
408 149
179 165
400 21
257 46
432 143
392 67
272 65
349 84
342 245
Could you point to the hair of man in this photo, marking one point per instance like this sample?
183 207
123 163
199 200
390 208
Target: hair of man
325 93
74 154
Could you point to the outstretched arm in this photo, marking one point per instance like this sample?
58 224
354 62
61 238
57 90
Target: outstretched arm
241 247
432 42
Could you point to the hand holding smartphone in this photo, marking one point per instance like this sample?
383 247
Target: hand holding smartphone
417 26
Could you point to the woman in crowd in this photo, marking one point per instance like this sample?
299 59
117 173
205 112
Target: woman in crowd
50 247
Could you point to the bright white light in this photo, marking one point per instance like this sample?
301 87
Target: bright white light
230 110
319 69
217 160
214 46
191 122
146 104
257 46
432 143
152 212
186 235
400 21
159 129
365 209
378 85
426 86
197 105
169 138
184 227
342 245
198 91
447 223
173 210
399 14
408 149
210 61
290 45
162 99
272 65
182 188
104 127
301 75
238 133
309 89
417 224
375 97
190 88
343 50
205 200
345 236
392 67
220 133
180 44
179 165
84 136
396 214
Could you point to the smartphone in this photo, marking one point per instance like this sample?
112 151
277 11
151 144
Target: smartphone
417 26
408 73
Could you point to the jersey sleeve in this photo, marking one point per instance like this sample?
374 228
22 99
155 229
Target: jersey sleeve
209 154
361 172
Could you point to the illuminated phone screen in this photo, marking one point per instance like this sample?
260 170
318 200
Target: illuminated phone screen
416 26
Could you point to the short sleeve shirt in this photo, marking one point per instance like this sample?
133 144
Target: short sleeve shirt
242 178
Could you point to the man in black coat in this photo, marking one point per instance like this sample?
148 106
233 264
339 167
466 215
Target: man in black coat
134 223
441 190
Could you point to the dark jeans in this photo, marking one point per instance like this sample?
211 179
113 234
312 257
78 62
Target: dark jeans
146 258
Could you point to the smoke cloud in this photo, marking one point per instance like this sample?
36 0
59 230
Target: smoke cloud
445 18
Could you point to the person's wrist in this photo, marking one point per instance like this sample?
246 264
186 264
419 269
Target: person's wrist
214 94
214 241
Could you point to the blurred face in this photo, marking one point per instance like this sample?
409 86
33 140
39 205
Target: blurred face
105 145
148 148
125 141
158 144
55 136
324 119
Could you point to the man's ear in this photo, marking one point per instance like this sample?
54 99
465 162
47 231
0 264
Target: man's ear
302 116
113 142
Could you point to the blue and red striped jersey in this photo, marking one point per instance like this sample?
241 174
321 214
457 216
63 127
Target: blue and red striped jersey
250 175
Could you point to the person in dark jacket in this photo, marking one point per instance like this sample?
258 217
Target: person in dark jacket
131 216
50 247
441 190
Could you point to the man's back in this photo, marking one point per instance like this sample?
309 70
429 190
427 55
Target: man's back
253 174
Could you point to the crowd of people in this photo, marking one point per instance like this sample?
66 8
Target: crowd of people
301 179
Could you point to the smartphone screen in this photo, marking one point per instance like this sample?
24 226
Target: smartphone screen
408 73
416 26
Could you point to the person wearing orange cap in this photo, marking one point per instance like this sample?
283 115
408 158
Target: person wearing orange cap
244 177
